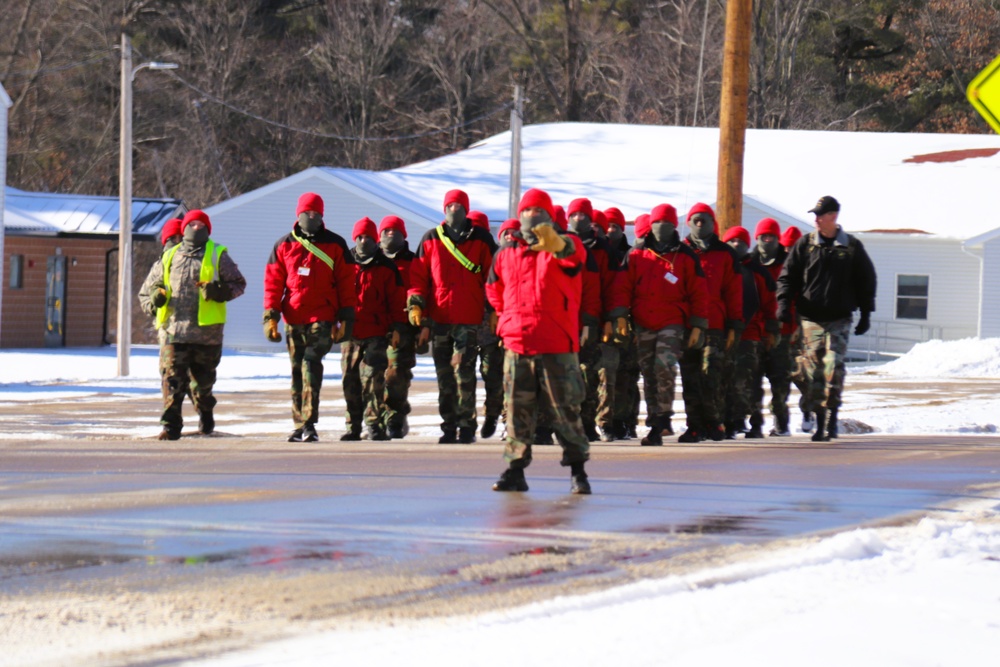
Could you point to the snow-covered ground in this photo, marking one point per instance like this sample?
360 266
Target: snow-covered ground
927 594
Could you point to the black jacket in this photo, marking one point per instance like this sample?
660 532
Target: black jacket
827 281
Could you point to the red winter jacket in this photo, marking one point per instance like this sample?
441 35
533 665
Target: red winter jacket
538 296
774 268
764 320
448 292
302 287
725 284
610 268
403 259
667 289
381 297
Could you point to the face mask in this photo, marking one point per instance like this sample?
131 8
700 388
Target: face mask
740 246
705 231
456 219
663 232
530 220
767 248
310 222
392 241
581 227
196 236
365 246
615 236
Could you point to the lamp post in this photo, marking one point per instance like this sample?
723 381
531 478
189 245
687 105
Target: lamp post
125 204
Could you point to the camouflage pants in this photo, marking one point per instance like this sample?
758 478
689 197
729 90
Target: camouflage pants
742 367
399 376
626 405
491 370
701 375
455 364
824 348
658 352
550 386
797 372
607 379
775 365
363 363
184 368
307 345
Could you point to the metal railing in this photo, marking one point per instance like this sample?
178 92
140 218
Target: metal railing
888 339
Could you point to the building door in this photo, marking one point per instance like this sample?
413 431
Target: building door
55 301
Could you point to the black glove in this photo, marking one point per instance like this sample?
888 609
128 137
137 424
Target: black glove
160 298
217 291
784 313
864 324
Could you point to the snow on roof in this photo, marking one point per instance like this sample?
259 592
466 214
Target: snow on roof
48 213
934 183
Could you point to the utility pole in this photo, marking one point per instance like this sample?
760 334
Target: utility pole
733 113
124 328
516 117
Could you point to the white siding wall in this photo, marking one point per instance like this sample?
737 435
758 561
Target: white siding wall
250 230
991 289
953 291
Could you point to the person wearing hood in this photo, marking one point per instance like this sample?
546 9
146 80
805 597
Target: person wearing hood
776 361
403 357
599 357
702 368
665 290
309 282
447 299
186 292
744 391
536 286
379 321
828 275
171 233
490 352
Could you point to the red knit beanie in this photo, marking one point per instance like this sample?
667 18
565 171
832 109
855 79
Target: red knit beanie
703 208
364 226
737 233
509 224
560 219
171 227
581 205
479 219
392 222
539 198
453 196
309 201
767 226
642 225
601 220
663 213
791 235
615 217
196 214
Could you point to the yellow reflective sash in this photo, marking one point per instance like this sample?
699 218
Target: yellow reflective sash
311 247
455 252
209 312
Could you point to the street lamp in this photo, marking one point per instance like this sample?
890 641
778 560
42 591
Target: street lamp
125 204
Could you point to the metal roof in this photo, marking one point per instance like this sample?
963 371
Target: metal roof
47 213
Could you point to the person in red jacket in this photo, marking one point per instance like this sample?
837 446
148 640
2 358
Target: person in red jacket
536 286
776 362
380 311
402 357
701 369
665 289
793 329
743 397
309 282
490 352
447 296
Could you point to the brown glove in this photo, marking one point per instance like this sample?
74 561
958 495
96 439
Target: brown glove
394 340
730 339
549 240
621 328
271 331
416 315
694 338
608 333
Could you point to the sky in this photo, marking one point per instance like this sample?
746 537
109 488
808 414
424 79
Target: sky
924 594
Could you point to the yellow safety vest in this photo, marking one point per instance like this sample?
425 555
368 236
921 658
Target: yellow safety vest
209 312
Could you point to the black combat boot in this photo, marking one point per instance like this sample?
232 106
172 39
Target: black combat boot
590 429
578 482
820 434
206 422
831 425
376 433
511 479
467 435
309 433
395 431
169 433
754 432
654 438
449 437
692 434
352 435
489 426
716 433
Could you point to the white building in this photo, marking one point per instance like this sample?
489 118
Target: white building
919 203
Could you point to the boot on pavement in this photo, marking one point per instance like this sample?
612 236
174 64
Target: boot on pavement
578 483
511 479
169 434
831 425
654 438
309 433
449 436
820 434
352 435
467 435
489 426
206 422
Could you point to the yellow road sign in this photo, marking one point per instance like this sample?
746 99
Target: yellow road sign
984 93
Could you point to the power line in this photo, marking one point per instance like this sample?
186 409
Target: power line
60 68
327 135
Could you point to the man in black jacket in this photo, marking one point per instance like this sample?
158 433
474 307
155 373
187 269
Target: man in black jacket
828 275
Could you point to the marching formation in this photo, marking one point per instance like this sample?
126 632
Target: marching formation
562 314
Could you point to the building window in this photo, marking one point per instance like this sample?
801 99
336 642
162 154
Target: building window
16 271
912 293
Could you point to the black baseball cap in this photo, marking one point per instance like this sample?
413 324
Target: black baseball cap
825 205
